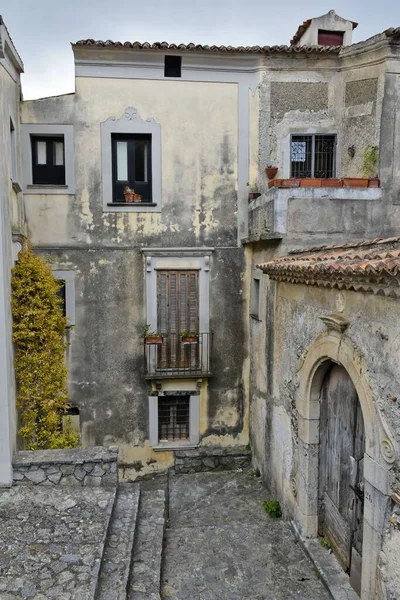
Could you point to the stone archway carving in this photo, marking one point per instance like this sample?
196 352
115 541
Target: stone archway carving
380 450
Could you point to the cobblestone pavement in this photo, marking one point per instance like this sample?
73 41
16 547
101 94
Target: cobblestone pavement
221 545
51 541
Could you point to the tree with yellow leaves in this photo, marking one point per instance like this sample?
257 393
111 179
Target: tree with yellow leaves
40 343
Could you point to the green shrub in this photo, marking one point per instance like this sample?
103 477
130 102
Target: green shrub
273 508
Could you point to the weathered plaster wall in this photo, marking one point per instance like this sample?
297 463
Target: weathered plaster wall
11 217
199 139
374 330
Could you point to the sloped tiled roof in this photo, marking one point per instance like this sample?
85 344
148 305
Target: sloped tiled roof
368 265
191 47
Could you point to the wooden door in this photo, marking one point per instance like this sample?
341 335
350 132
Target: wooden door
341 470
178 309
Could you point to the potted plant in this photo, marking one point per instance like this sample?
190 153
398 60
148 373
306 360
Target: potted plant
150 336
271 171
130 195
253 192
370 160
189 337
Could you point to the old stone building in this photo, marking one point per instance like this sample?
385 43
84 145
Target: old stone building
286 284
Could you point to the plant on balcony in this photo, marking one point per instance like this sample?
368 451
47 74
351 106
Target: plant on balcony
253 191
188 337
271 171
370 160
130 195
150 336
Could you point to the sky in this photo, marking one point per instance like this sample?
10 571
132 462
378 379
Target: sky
43 29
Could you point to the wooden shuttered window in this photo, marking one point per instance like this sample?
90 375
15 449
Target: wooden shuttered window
177 309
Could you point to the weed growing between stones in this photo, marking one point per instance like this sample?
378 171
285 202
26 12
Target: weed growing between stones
325 543
39 339
273 508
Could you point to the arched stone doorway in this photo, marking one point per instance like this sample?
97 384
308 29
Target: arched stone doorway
341 470
334 347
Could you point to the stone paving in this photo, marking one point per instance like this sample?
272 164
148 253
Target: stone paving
221 545
51 541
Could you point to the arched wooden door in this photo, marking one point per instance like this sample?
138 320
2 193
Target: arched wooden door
341 497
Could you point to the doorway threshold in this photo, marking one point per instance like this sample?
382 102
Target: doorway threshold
336 581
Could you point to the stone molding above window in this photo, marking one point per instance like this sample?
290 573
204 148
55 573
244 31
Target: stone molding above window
42 129
130 123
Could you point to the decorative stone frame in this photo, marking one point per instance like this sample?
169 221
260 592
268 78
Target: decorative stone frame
69 278
131 122
29 129
194 422
380 451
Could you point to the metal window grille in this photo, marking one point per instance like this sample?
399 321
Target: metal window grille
313 156
173 418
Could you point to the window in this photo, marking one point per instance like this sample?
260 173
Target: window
313 156
66 279
131 156
48 164
13 151
173 418
255 298
172 66
330 38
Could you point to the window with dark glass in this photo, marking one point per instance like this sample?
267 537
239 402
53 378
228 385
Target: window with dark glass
330 38
313 156
48 161
173 418
172 66
61 293
131 165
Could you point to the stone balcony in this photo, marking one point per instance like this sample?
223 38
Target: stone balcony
314 212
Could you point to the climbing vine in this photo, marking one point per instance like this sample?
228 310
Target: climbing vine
39 339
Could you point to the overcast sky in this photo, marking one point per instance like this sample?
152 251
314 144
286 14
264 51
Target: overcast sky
43 29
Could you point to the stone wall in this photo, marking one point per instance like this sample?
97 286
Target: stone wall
210 458
92 467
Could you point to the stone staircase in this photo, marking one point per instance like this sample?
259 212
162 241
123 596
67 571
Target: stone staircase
132 557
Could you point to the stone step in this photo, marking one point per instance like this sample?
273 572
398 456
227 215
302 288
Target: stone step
145 580
116 561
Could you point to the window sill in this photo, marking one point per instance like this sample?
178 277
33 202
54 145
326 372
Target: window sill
173 446
46 186
131 204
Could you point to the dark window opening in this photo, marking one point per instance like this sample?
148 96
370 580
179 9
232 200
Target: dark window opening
172 66
131 165
313 156
173 418
62 295
330 38
48 160
73 411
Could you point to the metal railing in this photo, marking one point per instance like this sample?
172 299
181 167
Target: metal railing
175 357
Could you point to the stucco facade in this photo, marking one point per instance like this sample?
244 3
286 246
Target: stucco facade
11 221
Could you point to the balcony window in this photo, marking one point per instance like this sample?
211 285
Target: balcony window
313 156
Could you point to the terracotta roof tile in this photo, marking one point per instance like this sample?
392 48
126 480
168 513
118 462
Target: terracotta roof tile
355 265
191 47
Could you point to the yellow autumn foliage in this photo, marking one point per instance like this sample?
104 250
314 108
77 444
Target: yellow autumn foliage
40 344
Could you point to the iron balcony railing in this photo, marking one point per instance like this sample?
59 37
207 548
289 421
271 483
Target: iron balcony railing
177 357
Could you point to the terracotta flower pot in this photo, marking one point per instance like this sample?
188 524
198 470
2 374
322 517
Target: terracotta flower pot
290 183
357 182
137 197
333 183
154 339
374 182
310 182
271 172
275 183
129 197
189 339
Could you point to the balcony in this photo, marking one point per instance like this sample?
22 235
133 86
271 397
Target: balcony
312 213
178 359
